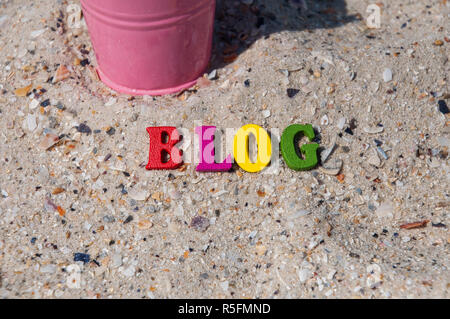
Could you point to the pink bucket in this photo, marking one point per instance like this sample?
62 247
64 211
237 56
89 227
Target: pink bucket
150 47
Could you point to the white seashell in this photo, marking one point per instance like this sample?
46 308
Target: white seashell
374 130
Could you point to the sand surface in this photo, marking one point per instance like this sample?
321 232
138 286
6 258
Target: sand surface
80 217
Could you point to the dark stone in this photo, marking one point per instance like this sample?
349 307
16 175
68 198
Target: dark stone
84 62
83 128
129 219
443 108
111 131
45 103
292 92
85 258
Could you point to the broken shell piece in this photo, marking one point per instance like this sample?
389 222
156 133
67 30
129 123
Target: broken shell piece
387 75
33 104
266 113
144 224
19 132
374 130
212 75
324 120
93 73
374 159
77 137
138 194
374 276
260 250
332 168
111 101
22 91
118 166
284 72
382 153
200 223
341 123
299 213
30 122
330 89
62 73
326 153
386 209
37 33
48 141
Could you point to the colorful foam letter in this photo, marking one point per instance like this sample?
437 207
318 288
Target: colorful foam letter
288 147
207 151
240 148
161 149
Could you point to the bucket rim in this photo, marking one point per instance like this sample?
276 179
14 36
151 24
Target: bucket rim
152 92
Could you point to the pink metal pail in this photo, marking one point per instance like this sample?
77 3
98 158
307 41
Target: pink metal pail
150 47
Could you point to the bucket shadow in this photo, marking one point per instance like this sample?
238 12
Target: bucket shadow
238 26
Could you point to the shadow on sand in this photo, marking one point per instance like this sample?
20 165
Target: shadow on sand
239 25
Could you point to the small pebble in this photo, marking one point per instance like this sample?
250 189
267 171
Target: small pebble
443 108
37 33
387 75
128 219
48 141
61 74
212 75
84 62
45 103
134 117
108 219
111 131
386 209
324 155
111 102
382 153
299 213
341 123
374 159
3 20
284 72
129 271
292 92
138 194
373 130
200 223
116 260
85 258
48 269
374 276
83 128
333 168
304 275
33 104
31 122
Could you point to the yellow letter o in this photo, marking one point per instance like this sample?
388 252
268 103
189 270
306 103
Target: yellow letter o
241 143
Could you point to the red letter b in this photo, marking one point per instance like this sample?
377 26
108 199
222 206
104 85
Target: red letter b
163 154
